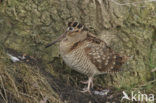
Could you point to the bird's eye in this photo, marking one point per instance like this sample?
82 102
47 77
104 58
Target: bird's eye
70 28
74 24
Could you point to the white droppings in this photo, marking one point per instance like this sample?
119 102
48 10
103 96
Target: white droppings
22 57
13 58
102 93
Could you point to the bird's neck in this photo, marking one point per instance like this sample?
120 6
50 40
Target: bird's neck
69 43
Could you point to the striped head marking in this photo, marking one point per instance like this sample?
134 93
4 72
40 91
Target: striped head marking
74 27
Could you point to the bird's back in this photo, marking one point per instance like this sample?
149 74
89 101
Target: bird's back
103 57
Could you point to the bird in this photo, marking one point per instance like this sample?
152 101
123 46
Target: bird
82 51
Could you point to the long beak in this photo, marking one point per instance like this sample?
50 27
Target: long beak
57 40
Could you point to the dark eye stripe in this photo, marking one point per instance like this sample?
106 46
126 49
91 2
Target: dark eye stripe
79 26
71 28
75 23
69 23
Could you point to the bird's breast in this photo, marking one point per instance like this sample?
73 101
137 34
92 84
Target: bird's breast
76 58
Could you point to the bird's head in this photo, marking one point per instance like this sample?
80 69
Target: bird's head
74 31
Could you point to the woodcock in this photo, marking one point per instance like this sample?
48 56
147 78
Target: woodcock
87 54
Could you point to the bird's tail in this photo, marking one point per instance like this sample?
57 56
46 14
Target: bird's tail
119 61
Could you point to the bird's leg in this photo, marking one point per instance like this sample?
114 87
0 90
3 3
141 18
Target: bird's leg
90 83
86 82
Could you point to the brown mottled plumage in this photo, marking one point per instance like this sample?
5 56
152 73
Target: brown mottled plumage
87 54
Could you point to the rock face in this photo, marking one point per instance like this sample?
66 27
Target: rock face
26 26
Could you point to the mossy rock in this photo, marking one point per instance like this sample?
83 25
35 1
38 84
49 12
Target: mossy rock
27 26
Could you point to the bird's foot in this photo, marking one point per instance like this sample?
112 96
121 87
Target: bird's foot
87 82
85 90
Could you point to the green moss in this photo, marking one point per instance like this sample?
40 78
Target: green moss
27 26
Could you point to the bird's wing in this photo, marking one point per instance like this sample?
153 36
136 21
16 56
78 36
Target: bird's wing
102 56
